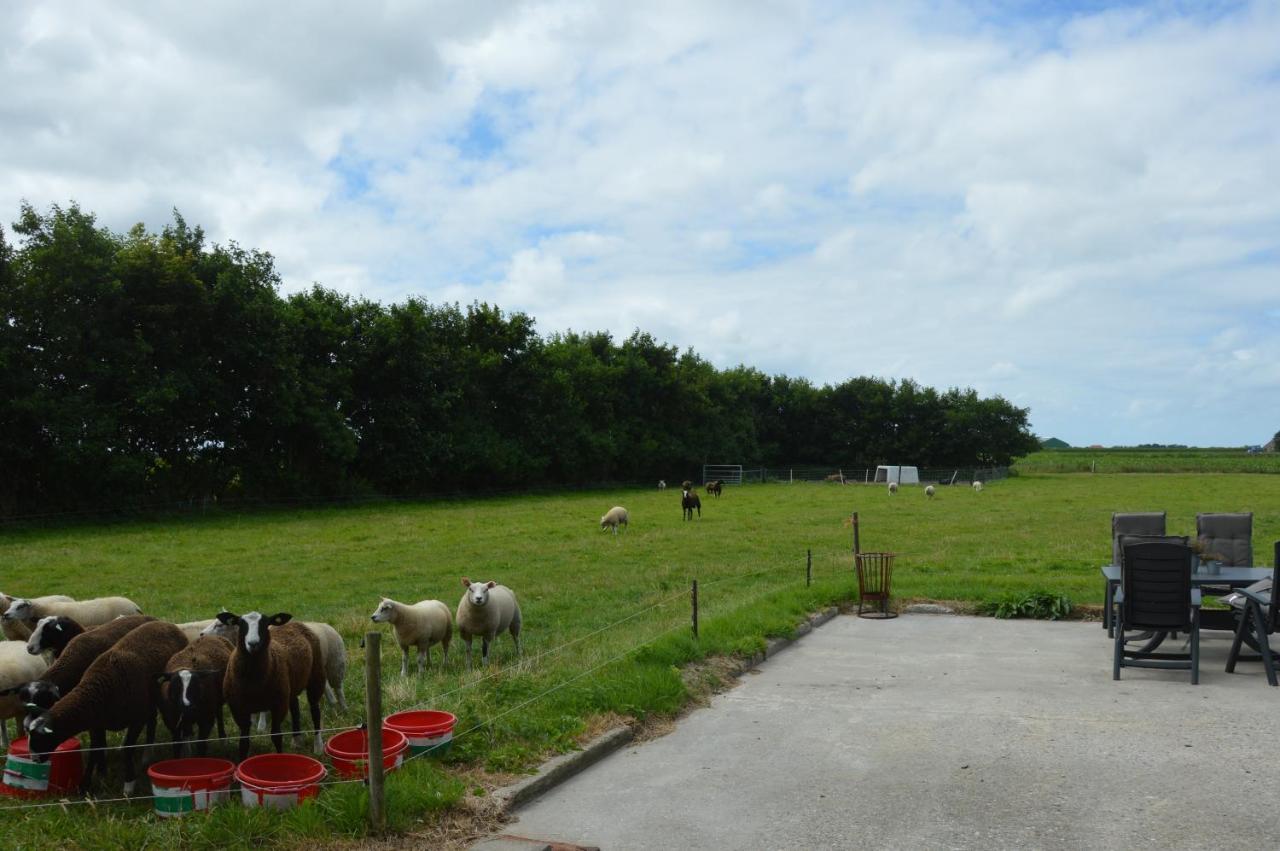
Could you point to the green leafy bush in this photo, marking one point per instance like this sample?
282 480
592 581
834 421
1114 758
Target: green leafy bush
1040 605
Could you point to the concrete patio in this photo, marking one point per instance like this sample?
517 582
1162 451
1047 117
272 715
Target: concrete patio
937 731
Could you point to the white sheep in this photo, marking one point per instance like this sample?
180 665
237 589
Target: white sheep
17 666
662 484
421 625
977 486
17 630
87 613
487 609
617 516
194 629
893 487
929 491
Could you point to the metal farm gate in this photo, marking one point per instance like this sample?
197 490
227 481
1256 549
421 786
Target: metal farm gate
730 474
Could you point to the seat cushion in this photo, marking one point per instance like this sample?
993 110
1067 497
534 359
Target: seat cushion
1229 536
1135 523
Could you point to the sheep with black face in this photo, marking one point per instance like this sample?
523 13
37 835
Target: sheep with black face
191 691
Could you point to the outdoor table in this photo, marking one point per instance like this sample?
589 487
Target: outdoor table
1233 577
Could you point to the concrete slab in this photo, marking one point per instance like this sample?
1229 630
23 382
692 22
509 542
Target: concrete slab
945 732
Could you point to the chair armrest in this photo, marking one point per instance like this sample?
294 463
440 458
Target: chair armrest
1195 598
1118 597
1263 600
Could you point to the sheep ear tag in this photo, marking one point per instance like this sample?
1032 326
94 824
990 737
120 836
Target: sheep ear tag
280 619
32 707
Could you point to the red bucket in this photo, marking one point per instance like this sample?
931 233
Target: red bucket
183 786
349 751
60 774
279 780
429 731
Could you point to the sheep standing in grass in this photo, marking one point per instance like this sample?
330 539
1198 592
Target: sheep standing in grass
19 630
977 486
929 491
115 693
487 609
688 503
616 516
52 634
87 613
893 488
333 657
421 625
273 663
662 484
17 666
191 691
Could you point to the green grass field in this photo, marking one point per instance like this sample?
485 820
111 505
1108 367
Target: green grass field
1191 460
606 619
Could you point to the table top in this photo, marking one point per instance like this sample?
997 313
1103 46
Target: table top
1233 576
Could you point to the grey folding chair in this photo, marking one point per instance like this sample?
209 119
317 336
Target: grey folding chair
1156 596
1258 616
1142 523
1227 538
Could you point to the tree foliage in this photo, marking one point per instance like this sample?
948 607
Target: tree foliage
146 367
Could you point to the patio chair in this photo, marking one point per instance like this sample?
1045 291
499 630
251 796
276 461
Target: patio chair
1156 596
1227 538
1258 616
1140 523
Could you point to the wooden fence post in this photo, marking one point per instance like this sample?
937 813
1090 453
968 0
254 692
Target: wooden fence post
808 567
694 595
373 724
857 545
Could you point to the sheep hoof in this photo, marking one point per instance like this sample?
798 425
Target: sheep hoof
319 746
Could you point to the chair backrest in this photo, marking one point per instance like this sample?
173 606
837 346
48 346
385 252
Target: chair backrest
1142 523
1227 535
1157 586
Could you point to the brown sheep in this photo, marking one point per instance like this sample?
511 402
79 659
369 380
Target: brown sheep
191 691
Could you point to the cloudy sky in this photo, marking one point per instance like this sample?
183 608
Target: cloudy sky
1078 209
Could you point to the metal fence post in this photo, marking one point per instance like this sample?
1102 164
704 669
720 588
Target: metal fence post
373 724
694 596
808 567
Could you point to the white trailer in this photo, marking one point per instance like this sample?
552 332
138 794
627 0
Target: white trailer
897 473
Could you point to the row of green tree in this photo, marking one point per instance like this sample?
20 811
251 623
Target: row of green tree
146 367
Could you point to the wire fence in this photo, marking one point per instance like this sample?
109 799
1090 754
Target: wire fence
867 475
791 575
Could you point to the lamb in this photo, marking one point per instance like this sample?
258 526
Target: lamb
487 609
714 488
686 485
194 629
688 502
115 693
16 630
421 625
662 484
191 691
53 633
80 652
274 661
615 517
333 657
929 491
893 488
17 666
85 612
977 486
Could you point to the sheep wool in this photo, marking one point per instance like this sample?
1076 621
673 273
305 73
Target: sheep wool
488 609
425 623
333 658
20 630
191 691
85 612
615 517
977 486
17 667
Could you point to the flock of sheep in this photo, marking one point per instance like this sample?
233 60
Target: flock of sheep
69 667
929 490
689 503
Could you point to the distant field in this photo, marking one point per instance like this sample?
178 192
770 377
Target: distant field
1149 461
575 583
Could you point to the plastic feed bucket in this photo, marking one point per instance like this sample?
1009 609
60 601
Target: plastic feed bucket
183 786
279 780
429 731
349 751
61 773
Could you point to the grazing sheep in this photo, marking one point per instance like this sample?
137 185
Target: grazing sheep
616 516
333 658
714 488
929 491
52 633
17 630
194 629
273 663
17 666
421 625
893 488
115 693
977 486
80 652
686 485
688 502
191 691
85 612
487 609
662 484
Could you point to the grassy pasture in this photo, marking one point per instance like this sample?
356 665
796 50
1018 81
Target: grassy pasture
1190 460
575 583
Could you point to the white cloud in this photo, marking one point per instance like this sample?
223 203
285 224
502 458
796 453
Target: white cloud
922 190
